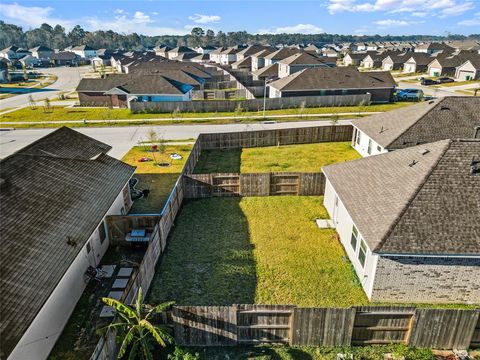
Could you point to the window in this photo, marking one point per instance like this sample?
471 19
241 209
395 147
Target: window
89 247
102 233
379 148
358 137
369 147
362 254
354 239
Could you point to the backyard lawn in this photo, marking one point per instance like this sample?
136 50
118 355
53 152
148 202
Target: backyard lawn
304 158
255 250
60 114
159 180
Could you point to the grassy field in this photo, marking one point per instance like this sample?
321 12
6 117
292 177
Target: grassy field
61 114
459 83
159 180
255 250
304 157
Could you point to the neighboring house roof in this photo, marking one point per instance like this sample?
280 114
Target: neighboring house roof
64 55
138 84
475 62
334 78
357 56
252 49
435 46
302 58
201 57
267 71
262 53
447 118
420 200
246 61
281 54
41 48
185 56
420 59
182 49
83 48
58 188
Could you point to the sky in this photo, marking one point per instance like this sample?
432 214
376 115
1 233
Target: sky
161 17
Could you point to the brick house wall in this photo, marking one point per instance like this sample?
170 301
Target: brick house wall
93 99
427 279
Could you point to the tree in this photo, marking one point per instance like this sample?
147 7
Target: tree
76 35
47 106
135 329
196 36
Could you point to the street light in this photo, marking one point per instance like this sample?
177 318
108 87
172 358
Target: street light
267 80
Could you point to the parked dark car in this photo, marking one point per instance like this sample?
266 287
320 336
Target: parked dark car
444 80
429 82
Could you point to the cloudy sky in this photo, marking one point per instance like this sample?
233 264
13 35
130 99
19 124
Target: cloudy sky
158 17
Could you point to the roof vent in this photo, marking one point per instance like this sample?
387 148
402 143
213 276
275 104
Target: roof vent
476 133
475 166
424 151
444 108
431 102
413 163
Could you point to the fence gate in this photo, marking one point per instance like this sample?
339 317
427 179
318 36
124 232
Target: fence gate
226 184
284 184
264 324
378 325
475 343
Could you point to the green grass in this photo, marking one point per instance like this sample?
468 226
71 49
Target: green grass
255 250
269 352
304 157
159 180
60 114
459 83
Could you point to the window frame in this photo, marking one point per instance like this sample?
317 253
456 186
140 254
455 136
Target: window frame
369 148
354 235
362 253
102 233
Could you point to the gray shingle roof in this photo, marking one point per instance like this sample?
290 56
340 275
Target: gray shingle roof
334 78
60 186
447 118
431 207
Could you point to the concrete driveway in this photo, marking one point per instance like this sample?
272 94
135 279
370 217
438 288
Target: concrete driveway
67 80
123 138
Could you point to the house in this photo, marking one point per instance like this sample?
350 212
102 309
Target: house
335 81
250 50
205 50
330 53
394 61
29 61
416 62
447 118
162 50
215 54
55 194
298 62
469 70
3 71
371 61
433 48
353 59
312 49
258 59
179 51
42 53
63 58
279 55
445 66
229 55
266 72
84 51
408 221
245 63
13 53
118 90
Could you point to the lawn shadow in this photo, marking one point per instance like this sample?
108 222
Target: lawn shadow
159 187
219 161
209 257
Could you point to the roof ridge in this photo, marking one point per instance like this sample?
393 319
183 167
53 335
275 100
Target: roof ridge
412 197
416 121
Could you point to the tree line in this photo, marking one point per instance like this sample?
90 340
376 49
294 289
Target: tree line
57 37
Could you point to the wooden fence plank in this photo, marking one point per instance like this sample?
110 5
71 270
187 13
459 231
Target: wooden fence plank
444 328
323 326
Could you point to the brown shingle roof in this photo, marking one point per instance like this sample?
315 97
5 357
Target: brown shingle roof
430 207
59 187
334 78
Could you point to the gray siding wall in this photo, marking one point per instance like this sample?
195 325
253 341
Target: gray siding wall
427 279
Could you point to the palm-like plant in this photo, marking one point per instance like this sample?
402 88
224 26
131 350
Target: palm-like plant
135 329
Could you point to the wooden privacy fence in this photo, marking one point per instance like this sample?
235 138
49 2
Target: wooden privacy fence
258 184
290 136
288 324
